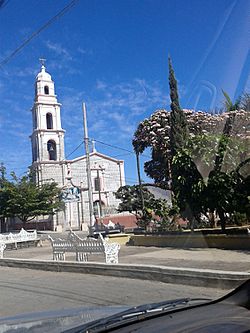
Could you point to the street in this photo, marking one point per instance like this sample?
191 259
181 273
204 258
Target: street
24 291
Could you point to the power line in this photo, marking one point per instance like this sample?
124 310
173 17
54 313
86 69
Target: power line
115 147
77 147
129 152
3 3
15 161
120 148
121 155
37 32
74 150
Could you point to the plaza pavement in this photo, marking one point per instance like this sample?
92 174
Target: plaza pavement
196 258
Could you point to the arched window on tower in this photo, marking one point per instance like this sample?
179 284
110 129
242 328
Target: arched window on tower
34 119
46 90
51 147
34 155
49 121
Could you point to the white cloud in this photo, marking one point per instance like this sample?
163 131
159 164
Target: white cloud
100 85
27 71
59 50
134 98
113 110
121 106
97 126
83 51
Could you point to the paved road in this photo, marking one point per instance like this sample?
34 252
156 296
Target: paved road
24 291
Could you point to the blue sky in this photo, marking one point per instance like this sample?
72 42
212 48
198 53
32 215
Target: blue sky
113 56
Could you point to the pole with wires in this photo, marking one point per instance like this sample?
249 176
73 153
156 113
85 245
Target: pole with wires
88 170
139 180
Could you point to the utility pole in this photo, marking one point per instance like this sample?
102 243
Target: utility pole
139 180
90 192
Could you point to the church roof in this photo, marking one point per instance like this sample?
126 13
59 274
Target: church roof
43 75
95 153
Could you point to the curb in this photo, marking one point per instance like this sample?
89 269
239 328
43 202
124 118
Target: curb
174 275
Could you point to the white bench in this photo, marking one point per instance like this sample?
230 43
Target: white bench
111 250
2 248
83 247
60 247
18 238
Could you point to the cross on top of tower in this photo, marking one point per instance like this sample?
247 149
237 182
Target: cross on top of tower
42 61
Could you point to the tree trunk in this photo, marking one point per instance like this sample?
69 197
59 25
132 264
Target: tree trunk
222 220
3 225
213 222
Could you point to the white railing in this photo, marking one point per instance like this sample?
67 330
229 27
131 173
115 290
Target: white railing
2 248
22 236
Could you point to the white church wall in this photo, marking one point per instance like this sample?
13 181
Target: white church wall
72 172
52 172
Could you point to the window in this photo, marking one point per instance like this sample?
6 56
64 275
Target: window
51 147
97 184
46 90
35 119
98 208
49 121
34 153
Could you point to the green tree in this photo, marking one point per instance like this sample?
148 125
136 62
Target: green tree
154 133
131 200
130 197
228 194
178 122
182 142
228 103
187 182
197 193
220 185
25 199
204 135
189 187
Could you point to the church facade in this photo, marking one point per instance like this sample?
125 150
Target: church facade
49 164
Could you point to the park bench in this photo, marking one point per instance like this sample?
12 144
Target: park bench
60 247
15 240
2 248
84 247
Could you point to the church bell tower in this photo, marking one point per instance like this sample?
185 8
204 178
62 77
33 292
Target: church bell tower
47 138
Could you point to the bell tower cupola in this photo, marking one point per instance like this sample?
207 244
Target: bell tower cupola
47 138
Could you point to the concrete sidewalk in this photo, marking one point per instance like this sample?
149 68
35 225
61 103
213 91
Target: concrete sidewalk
215 259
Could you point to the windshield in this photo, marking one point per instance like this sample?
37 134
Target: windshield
124 153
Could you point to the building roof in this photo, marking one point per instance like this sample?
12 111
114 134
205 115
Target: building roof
95 153
159 193
43 75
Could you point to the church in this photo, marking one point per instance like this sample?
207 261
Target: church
49 164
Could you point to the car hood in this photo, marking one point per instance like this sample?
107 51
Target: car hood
56 321
81 319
